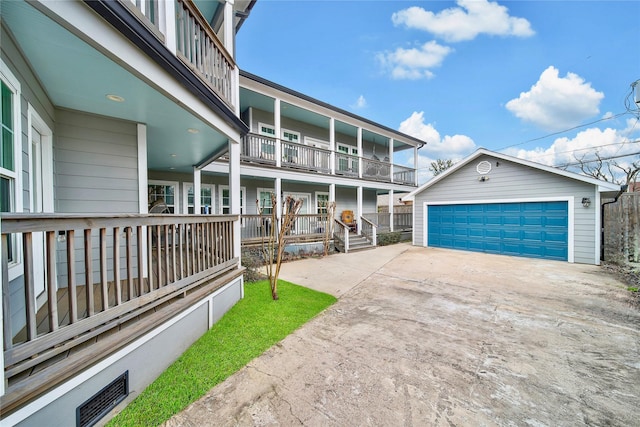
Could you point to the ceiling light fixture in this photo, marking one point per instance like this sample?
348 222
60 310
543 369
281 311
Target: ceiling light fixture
192 130
115 98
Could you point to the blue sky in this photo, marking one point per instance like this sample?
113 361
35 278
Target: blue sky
521 77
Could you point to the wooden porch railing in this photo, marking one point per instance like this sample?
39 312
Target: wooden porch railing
101 263
404 175
201 50
401 220
376 170
369 230
347 165
256 227
258 149
299 156
341 234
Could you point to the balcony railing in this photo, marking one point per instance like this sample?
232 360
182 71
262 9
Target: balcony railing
258 149
100 272
376 170
201 50
255 228
401 221
404 175
298 156
262 149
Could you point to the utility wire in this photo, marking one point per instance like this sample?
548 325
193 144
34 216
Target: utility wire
615 116
596 160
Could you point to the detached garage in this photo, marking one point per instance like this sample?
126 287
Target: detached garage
493 203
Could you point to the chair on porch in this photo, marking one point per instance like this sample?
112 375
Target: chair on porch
347 218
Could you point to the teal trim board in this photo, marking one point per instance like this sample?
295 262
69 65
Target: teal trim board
527 229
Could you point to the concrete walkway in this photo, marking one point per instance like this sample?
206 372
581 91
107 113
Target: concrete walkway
339 273
433 337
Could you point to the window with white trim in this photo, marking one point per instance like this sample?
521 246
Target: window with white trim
264 200
206 198
163 196
290 136
322 202
10 160
225 199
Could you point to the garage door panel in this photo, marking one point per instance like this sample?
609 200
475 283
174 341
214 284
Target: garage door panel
538 229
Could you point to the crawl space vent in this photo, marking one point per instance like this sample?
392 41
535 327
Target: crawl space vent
103 401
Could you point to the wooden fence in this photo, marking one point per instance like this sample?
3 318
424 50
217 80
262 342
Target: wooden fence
622 229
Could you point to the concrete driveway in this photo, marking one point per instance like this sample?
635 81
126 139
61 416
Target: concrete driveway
425 336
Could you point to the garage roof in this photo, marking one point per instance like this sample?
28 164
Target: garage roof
603 186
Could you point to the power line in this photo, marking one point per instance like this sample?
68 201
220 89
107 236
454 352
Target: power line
597 159
615 116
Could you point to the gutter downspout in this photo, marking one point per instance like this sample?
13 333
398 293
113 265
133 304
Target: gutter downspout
623 188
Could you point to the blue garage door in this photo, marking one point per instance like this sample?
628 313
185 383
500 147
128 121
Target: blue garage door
535 230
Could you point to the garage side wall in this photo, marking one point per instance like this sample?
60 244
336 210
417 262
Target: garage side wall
514 182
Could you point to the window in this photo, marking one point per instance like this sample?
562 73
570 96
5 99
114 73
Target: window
206 198
163 194
322 202
264 200
10 159
290 136
267 130
350 161
225 201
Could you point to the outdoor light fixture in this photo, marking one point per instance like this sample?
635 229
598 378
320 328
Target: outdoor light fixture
115 98
586 202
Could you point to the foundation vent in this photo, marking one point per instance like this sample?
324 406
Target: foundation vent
90 412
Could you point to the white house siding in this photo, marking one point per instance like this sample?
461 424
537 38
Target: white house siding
95 164
512 181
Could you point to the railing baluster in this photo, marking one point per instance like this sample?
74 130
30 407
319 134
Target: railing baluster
159 255
71 277
173 252
88 271
7 333
150 257
116 265
139 240
165 247
29 286
52 303
104 285
130 294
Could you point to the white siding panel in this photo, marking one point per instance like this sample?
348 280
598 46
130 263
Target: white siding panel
514 181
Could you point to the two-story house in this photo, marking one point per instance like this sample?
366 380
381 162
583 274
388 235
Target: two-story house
98 296
115 113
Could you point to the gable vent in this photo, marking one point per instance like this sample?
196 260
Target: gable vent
90 412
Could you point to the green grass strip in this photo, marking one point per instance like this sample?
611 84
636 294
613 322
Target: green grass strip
252 326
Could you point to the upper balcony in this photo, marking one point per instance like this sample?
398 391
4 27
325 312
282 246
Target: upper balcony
272 152
200 34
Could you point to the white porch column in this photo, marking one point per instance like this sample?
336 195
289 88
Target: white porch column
143 189
228 33
278 190
391 203
168 24
234 193
197 185
360 153
391 159
278 129
415 164
332 146
359 207
332 193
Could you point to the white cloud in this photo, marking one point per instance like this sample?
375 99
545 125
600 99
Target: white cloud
447 147
471 18
607 143
361 102
414 63
450 147
556 103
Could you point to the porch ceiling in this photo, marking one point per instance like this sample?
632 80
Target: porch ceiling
77 76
